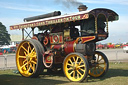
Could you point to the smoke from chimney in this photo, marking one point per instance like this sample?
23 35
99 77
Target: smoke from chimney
69 3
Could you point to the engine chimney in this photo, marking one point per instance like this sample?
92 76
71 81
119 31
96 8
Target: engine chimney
82 8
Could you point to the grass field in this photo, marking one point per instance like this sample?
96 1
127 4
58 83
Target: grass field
117 75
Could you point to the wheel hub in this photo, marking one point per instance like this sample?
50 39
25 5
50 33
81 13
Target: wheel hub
75 67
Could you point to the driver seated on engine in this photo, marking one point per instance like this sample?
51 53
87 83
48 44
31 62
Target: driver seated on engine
88 26
74 32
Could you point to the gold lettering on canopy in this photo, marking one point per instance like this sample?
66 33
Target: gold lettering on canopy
52 21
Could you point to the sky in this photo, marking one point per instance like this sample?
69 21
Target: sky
14 11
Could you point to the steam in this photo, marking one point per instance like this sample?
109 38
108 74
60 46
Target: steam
69 3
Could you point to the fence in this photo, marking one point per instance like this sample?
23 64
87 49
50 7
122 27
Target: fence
114 55
7 62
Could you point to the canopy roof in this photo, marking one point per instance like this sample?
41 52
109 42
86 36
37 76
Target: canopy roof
111 15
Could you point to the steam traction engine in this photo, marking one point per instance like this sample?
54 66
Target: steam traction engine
62 45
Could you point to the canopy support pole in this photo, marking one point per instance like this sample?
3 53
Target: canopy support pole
95 25
22 34
32 31
107 24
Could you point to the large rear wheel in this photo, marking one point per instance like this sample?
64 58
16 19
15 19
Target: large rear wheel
29 58
100 65
75 67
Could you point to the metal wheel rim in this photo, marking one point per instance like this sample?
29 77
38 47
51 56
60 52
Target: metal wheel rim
74 68
100 67
26 59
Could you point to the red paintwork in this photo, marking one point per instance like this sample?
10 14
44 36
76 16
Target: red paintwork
51 39
57 47
69 47
45 41
61 38
34 37
48 59
56 39
85 39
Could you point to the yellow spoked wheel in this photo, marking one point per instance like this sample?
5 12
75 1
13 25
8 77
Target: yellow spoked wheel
100 65
29 58
75 67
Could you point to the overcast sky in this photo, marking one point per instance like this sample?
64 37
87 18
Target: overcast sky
14 11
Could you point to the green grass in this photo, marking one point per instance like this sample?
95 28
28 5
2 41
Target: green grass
117 75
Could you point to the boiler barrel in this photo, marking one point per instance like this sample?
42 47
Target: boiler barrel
55 13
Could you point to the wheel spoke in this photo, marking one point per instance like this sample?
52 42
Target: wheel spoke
70 68
28 64
69 64
100 60
101 63
70 61
79 72
24 61
32 67
93 71
96 70
33 62
22 56
99 69
32 50
71 72
29 46
25 53
74 74
80 62
24 48
82 70
34 56
23 65
76 60
28 70
28 50
81 66
78 76
35 59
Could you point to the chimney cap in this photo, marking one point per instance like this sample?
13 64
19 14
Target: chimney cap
82 6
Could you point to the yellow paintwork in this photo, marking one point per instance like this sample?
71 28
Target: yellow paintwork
26 58
74 68
117 46
100 67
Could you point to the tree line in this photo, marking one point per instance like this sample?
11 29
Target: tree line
4 35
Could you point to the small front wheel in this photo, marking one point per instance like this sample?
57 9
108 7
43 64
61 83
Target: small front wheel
75 67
